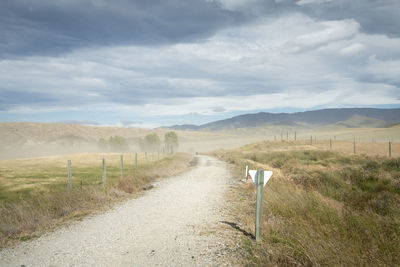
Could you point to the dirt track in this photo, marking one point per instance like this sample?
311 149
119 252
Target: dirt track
178 223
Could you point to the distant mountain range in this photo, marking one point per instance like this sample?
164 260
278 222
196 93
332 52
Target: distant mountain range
343 117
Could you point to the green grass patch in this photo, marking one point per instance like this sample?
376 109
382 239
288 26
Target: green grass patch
322 207
32 202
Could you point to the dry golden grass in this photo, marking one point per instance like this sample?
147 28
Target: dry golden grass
34 195
321 208
43 172
347 147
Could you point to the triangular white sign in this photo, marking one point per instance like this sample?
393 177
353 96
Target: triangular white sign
253 175
267 176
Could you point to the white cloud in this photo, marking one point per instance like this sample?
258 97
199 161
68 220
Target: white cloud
312 2
330 31
237 69
352 49
383 70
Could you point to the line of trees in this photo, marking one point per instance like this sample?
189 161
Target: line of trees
114 144
152 143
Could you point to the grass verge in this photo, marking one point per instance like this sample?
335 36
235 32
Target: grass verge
27 212
320 207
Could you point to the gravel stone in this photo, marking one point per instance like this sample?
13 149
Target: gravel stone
177 223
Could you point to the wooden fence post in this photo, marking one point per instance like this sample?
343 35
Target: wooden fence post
330 144
354 145
69 175
390 149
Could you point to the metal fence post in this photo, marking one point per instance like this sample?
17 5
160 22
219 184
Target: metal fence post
122 166
69 175
104 172
260 190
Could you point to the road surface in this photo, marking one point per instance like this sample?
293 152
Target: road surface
178 223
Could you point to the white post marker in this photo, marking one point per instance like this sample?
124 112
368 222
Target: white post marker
254 177
260 178
247 172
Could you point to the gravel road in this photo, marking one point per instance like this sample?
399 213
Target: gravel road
178 223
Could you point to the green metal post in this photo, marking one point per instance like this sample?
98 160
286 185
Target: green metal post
69 175
122 166
260 190
104 172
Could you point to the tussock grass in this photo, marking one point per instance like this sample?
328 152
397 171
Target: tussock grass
320 207
34 195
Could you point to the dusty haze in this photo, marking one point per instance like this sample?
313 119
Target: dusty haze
27 139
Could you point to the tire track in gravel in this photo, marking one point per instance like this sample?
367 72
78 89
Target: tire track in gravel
175 224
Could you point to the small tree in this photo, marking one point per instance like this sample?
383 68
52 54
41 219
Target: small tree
171 141
152 142
118 143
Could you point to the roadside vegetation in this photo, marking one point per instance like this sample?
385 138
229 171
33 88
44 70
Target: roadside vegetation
321 208
34 195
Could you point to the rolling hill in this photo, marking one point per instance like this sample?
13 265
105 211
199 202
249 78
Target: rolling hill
345 117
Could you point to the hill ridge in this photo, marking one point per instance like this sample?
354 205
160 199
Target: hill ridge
348 117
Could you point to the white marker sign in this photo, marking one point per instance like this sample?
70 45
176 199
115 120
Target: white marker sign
247 173
253 175
267 176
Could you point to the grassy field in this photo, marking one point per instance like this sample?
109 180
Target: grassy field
321 207
346 147
34 195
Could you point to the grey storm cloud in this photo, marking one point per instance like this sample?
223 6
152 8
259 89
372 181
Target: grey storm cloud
50 27
149 58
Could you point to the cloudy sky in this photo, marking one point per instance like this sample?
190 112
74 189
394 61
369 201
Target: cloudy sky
146 63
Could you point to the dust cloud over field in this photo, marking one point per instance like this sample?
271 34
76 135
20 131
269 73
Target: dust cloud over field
19 140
